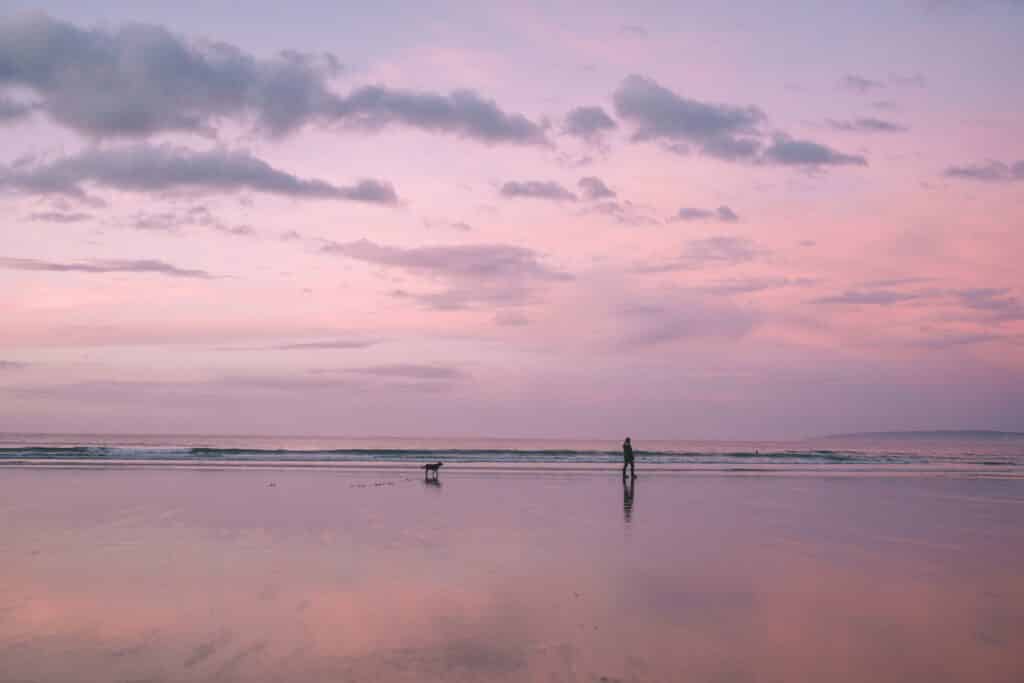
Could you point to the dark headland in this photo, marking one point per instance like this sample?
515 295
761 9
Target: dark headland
931 434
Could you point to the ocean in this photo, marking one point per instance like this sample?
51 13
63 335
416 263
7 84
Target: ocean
972 453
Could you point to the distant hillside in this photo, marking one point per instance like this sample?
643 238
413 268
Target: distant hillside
933 434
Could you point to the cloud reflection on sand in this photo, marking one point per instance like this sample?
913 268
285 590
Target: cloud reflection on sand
214 576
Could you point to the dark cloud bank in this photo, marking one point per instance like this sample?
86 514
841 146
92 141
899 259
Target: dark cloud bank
727 132
139 79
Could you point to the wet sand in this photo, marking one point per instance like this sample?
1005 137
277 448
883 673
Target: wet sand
151 574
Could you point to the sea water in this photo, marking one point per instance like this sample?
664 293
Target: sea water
979 453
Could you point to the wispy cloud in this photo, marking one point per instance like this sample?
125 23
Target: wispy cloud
481 261
633 31
100 266
678 317
1000 303
173 221
411 371
353 344
868 125
537 189
622 211
874 297
860 84
914 80
494 274
720 250
59 217
989 172
752 285
329 344
946 341
146 168
722 214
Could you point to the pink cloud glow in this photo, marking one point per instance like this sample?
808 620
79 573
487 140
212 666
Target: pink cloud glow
824 272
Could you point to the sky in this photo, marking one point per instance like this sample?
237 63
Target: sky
671 220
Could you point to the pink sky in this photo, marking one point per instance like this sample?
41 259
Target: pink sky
568 220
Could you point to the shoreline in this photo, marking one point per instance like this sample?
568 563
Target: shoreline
970 471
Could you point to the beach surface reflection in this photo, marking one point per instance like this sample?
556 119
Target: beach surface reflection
127 574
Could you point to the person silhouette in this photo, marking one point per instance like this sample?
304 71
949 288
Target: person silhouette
627 459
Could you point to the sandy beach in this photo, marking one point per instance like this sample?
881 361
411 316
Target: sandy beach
149 574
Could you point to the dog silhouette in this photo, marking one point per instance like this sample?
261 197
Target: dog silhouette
434 467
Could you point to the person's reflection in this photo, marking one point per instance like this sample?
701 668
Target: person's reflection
627 497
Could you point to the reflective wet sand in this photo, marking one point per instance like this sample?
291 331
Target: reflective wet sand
334 575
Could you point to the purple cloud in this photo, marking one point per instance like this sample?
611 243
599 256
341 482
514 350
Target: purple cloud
790 152
146 168
997 302
101 266
633 31
588 123
59 217
411 371
753 285
12 110
873 297
537 189
138 80
989 172
660 114
594 188
682 318
722 131
462 112
868 125
860 84
490 274
720 250
722 214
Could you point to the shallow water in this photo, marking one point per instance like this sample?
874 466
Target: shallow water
981 453
164 574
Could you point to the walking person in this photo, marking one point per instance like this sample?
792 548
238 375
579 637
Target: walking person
627 459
